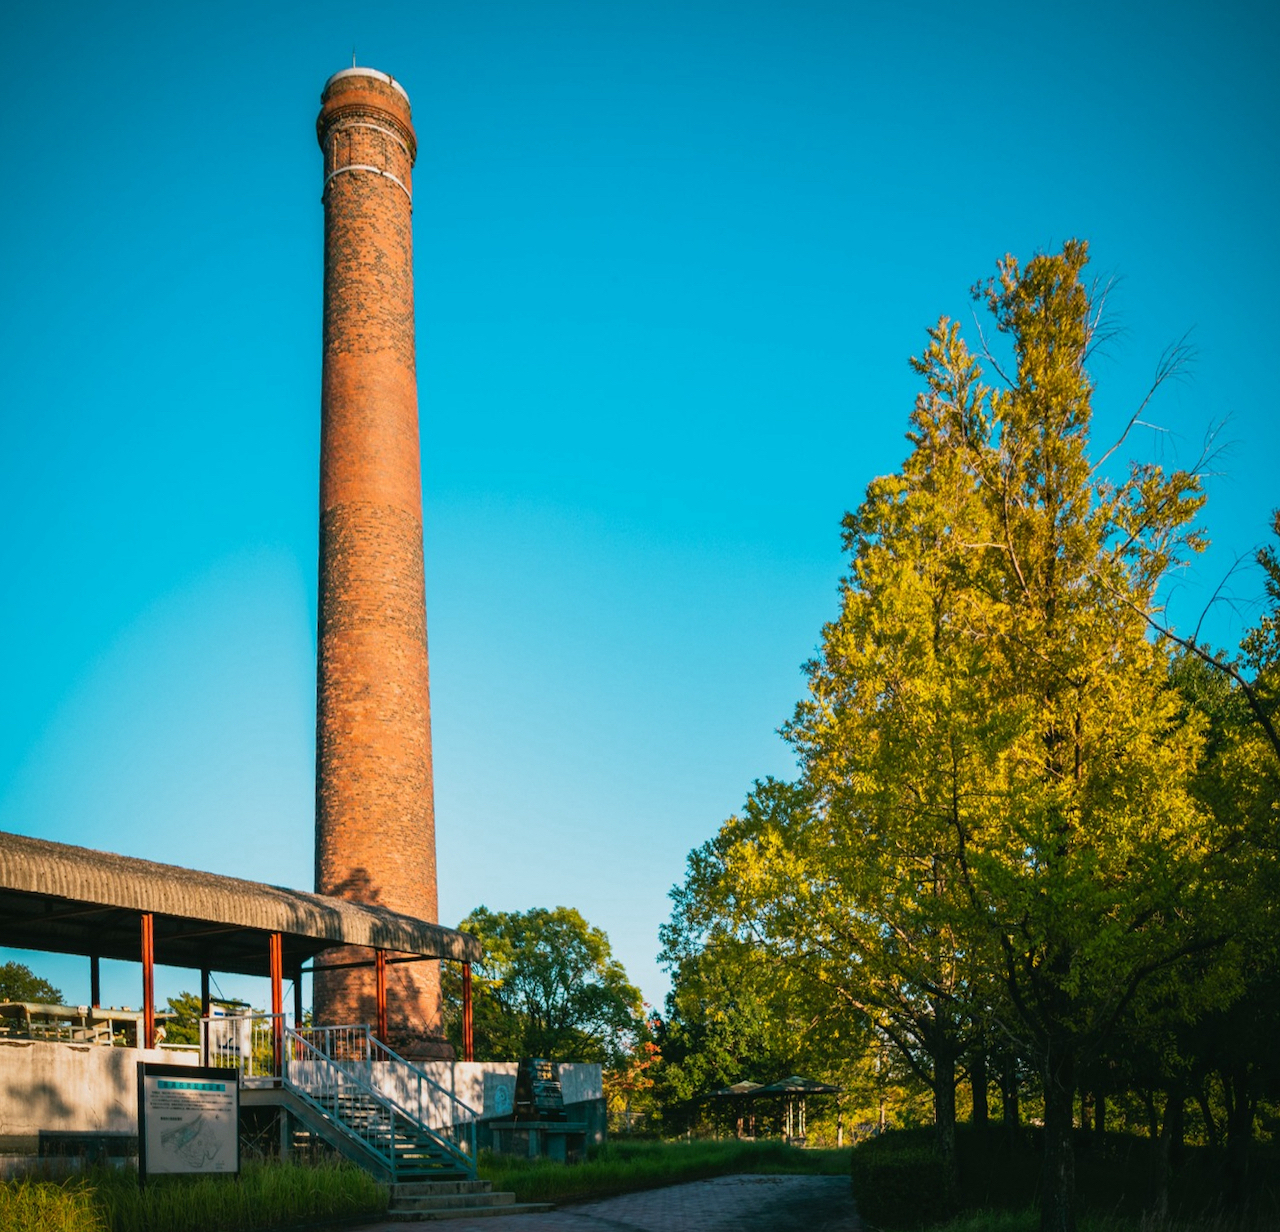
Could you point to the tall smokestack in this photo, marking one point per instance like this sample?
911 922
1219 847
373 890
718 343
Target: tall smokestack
375 815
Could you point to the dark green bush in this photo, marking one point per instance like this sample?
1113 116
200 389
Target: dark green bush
900 1182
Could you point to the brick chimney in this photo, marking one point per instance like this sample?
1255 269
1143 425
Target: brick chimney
375 814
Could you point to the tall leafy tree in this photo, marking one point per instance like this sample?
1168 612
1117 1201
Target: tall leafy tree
1090 864
19 983
548 986
994 829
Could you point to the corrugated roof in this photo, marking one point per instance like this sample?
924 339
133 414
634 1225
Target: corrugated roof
77 900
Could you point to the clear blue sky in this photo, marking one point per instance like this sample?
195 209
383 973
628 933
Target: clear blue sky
671 261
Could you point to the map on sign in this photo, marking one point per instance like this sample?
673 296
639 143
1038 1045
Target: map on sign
188 1119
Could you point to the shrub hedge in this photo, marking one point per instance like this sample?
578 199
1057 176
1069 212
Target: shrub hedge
900 1183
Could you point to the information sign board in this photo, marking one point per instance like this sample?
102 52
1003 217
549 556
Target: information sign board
188 1120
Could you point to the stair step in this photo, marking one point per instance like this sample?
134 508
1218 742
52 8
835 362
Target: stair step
425 1189
476 1212
449 1202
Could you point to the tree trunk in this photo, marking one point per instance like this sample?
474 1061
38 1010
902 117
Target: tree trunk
1100 1112
1153 1120
1009 1098
978 1080
1167 1152
1210 1125
944 1119
1176 1119
1240 1109
1058 1177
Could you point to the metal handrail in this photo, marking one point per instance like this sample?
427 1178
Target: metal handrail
295 1040
249 1043
357 1043
341 1078
262 1047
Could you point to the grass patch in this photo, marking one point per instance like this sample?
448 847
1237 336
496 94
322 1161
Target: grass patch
45 1206
625 1167
267 1195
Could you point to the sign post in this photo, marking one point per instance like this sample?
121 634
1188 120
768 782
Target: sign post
188 1120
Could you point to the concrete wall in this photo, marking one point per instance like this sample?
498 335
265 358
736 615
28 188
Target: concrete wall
490 1086
487 1086
78 1088
86 1088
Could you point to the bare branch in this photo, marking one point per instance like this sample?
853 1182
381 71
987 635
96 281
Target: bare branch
1098 329
1250 693
1217 592
1174 361
987 354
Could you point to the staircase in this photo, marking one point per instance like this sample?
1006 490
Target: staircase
404 1150
374 1107
344 1086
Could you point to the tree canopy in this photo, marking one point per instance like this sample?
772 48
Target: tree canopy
1000 837
19 983
548 986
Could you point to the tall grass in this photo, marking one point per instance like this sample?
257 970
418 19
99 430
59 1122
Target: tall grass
267 1195
44 1206
623 1167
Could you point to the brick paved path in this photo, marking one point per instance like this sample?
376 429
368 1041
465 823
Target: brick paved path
725 1204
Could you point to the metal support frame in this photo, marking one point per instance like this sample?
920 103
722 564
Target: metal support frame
148 980
380 966
297 1000
204 992
468 1049
95 981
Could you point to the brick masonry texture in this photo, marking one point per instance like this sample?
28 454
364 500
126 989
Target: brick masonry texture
375 817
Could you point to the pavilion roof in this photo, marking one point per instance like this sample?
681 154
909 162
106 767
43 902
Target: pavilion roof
75 900
796 1085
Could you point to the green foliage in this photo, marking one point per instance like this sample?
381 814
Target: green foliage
548 986
19 983
1021 826
184 1026
626 1166
999 1184
42 1206
899 1186
271 1195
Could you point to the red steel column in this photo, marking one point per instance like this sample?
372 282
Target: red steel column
380 980
148 980
468 1048
277 1002
375 817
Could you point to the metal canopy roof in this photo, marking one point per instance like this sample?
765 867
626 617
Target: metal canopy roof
738 1089
73 900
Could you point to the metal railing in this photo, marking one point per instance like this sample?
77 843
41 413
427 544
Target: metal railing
341 1096
416 1094
245 1042
332 1066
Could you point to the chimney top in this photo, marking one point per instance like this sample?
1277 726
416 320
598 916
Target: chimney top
366 72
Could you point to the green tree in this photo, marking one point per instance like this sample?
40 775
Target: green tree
1095 863
548 986
995 828
184 1026
19 983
